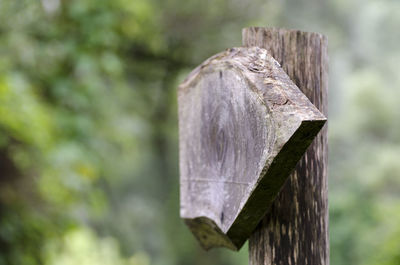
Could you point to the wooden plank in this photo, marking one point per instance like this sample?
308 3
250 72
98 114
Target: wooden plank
243 125
295 231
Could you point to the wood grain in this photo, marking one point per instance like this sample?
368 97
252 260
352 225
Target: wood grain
295 231
243 125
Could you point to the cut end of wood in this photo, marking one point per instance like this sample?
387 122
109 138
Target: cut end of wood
258 36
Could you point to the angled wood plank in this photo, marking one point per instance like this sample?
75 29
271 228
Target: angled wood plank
243 126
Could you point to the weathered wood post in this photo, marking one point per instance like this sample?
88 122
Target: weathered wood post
295 230
243 126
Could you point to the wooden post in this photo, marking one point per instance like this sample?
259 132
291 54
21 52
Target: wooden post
295 230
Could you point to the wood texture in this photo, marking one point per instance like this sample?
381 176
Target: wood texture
295 231
243 125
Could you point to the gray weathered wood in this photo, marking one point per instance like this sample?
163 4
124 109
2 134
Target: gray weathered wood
295 231
243 125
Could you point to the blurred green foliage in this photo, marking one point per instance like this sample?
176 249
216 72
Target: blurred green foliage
88 125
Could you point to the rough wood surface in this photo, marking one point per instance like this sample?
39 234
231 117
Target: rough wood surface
295 231
243 125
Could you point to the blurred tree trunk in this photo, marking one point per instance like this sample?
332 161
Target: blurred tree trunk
295 231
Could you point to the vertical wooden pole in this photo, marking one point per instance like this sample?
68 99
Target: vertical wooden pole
295 231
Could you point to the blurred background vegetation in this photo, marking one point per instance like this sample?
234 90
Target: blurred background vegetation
88 125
